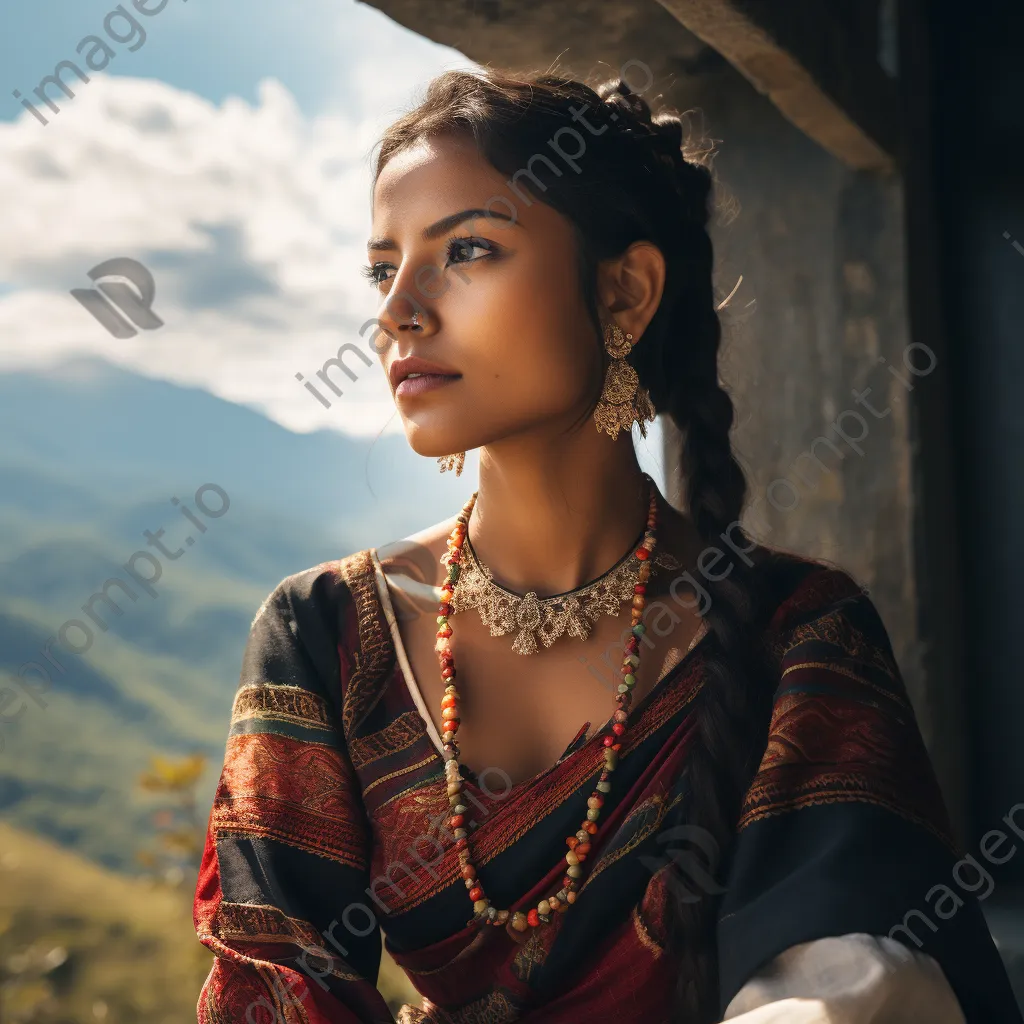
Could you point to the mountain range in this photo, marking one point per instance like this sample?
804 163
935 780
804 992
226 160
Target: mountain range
92 458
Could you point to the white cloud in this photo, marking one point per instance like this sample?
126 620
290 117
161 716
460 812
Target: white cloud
252 219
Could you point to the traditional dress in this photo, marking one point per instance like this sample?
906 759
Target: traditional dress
328 828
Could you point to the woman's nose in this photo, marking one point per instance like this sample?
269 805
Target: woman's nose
403 312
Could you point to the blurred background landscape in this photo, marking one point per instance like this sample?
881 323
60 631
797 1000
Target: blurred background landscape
105 789
81 485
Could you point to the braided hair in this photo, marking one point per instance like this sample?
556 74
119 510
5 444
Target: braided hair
641 178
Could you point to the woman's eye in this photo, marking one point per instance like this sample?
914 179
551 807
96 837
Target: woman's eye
465 246
458 250
374 272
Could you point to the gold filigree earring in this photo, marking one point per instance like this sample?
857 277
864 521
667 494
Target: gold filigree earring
456 462
622 399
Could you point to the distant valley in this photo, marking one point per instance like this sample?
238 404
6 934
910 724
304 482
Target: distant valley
91 457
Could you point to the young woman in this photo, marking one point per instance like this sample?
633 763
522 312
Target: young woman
577 754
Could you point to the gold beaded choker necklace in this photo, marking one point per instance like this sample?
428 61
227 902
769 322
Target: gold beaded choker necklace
484 912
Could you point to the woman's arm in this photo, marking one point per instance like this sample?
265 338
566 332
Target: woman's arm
847 979
282 894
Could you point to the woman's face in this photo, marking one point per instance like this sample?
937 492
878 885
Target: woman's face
501 309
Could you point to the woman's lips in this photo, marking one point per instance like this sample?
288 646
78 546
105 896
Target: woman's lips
419 385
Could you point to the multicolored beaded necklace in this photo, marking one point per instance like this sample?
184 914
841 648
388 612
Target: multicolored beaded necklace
484 912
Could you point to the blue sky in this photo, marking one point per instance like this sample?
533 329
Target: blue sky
229 153
218 48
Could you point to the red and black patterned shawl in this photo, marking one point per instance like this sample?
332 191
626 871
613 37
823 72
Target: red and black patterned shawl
328 827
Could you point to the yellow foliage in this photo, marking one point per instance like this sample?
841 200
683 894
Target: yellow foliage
165 775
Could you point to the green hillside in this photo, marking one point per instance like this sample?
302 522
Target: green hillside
90 945
92 457
159 680
81 944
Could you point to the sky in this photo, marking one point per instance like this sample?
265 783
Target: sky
228 150
229 153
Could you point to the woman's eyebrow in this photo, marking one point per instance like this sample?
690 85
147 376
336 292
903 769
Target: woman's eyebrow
442 226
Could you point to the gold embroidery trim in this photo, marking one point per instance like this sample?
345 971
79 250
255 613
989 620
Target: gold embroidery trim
401 771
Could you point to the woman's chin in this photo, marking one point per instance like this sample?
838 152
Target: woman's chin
436 433
433 445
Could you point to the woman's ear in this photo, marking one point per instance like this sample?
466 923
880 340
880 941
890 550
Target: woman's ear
631 286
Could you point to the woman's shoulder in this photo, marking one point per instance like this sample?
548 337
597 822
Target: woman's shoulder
322 595
323 631
829 644
418 556
843 726
327 610
802 588
339 601
822 615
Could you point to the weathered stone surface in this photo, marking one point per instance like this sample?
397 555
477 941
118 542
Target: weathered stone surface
586 37
817 62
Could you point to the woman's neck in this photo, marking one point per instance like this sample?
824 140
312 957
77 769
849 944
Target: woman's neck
543 522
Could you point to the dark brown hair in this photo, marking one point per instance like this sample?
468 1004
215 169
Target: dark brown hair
642 178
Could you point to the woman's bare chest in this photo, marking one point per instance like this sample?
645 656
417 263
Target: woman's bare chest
519 713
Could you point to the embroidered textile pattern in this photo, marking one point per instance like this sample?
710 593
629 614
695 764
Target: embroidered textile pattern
652 910
395 737
226 997
643 933
275 703
383 780
232 994
874 762
835 629
265 924
298 793
228 993
278 862
643 821
494 1008
375 653
531 617
532 953
842 729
